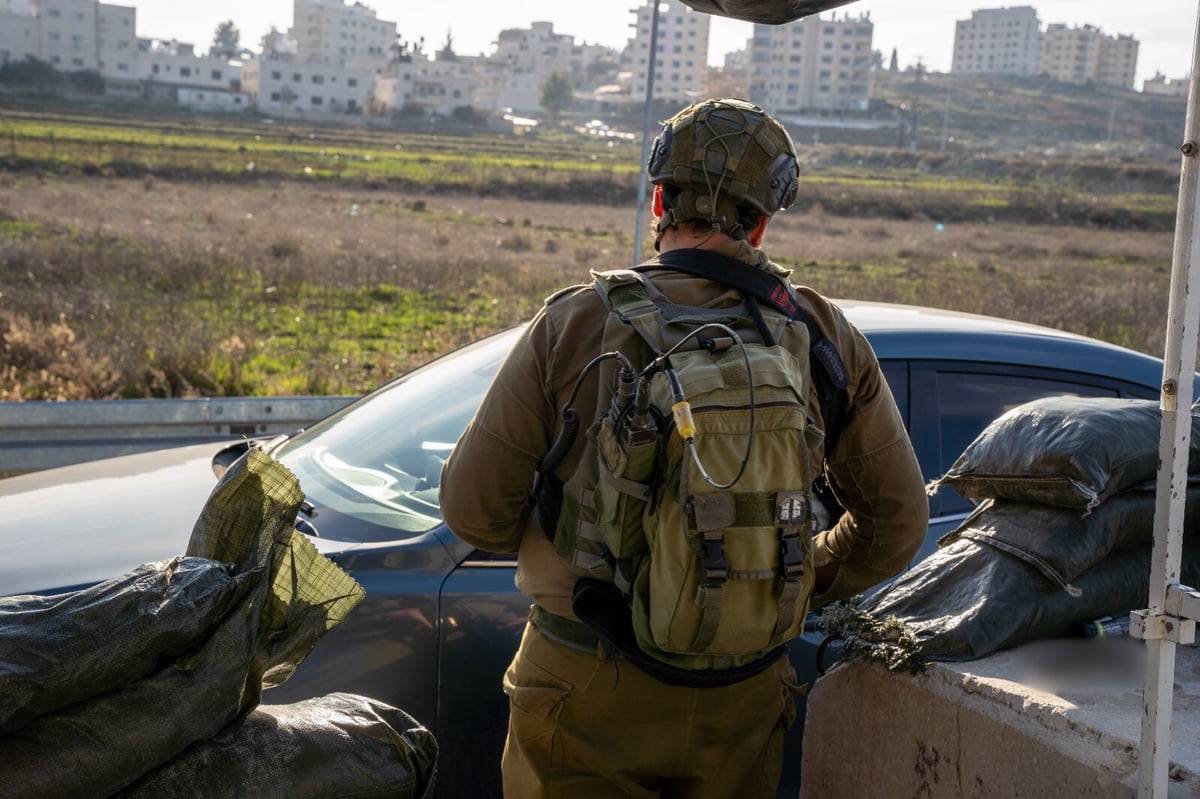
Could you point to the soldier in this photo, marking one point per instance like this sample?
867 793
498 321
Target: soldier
586 717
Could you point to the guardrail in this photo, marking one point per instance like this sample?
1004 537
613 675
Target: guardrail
41 435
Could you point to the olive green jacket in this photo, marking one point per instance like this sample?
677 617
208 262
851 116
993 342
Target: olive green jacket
485 483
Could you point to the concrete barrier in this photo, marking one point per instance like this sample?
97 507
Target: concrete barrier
1059 718
41 435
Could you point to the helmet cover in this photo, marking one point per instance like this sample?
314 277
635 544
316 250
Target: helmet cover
722 154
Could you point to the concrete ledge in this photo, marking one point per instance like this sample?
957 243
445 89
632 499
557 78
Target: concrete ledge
1050 719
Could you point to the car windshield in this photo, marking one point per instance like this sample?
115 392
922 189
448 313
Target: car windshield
371 471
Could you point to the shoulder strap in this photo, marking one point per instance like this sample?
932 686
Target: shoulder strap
831 378
664 324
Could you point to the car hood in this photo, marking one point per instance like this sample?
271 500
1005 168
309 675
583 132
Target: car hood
135 509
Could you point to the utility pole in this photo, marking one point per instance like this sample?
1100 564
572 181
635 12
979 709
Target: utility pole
647 123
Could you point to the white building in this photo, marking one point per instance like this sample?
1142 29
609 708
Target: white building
1163 86
73 36
424 86
171 72
1117 61
681 54
534 49
1069 54
83 34
1085 55
20 35
334 32
812 64
998 41
295 89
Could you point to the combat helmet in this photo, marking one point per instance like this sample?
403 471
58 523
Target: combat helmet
719 155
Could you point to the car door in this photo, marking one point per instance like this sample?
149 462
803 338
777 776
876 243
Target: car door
482 618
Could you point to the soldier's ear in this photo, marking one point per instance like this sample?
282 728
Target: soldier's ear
658 206
756 235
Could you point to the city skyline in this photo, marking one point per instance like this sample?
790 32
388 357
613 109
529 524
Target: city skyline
920 30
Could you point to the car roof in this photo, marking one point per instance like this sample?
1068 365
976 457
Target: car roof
916 333
874 317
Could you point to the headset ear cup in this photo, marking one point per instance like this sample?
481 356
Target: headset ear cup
659 167
783 182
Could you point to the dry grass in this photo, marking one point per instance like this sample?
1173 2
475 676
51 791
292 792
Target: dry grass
293 287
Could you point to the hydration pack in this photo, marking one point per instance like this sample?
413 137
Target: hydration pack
692 507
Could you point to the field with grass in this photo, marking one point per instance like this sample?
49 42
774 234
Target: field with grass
156 257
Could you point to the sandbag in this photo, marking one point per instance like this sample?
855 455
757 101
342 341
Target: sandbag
1062 543
61 649
334 746
1068 451
967 600
99 746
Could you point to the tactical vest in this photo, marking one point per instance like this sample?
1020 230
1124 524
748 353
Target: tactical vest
693 494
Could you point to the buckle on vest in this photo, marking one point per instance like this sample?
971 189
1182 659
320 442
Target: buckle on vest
791 554
712 558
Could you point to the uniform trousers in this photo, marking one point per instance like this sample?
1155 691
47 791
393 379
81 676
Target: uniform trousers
583 724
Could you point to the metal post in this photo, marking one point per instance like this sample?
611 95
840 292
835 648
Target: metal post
1163 624
647 123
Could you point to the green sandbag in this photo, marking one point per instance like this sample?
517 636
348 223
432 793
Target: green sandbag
330 747
62 649
967 600
1068 451
1062 543
99 746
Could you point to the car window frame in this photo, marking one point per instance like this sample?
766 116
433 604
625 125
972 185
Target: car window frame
924 416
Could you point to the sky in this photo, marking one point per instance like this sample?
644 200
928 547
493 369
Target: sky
919 30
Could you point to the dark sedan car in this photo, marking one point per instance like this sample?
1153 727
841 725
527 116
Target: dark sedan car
441 620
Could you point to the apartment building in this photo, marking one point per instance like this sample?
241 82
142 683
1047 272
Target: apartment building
1163 86
681 53
1069 54
20 35
1085 54
812 65
534 49
998 41
334 32
78 35
1117 61
435 87
171 72
298 89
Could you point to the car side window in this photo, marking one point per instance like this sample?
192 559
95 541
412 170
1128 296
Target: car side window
896 375
951 405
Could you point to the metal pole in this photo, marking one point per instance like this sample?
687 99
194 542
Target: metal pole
1161 625
647 123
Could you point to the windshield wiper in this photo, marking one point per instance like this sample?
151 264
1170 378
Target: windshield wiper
305 525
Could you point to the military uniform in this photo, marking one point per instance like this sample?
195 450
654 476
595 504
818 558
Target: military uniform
585 724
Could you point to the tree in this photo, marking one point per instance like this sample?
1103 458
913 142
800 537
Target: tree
556 94
226 40
30 74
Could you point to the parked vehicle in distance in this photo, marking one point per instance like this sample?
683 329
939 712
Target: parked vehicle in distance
441 620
